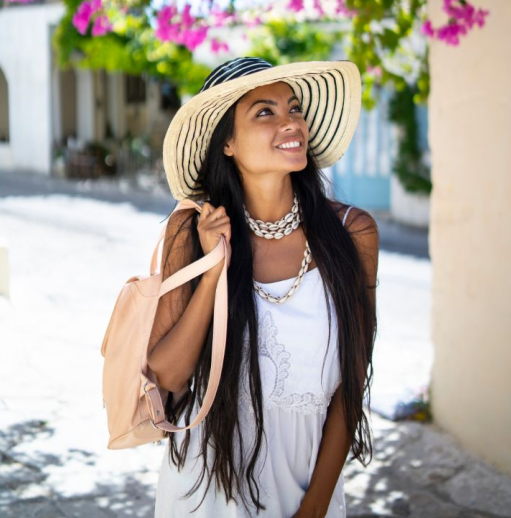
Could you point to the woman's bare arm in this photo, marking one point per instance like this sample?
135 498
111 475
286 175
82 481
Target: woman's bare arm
182 317
333 450
335 441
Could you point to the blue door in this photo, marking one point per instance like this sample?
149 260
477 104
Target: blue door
362 176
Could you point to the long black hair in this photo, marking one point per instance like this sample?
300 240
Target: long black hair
343 276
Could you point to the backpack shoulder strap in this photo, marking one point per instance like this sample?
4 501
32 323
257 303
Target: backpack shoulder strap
221 251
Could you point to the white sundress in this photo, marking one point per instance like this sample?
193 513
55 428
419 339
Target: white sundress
296 394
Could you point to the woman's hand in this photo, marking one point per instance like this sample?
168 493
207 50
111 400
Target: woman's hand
213 223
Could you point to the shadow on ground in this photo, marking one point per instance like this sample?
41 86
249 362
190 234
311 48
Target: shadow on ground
416 471
24 492
421 472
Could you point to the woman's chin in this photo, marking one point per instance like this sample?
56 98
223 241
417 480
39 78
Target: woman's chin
298 165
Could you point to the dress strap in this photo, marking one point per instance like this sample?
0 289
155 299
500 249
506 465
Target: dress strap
346 215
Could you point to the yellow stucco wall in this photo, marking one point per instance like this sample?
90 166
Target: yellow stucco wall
470 233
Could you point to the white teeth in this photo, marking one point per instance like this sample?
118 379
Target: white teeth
289 145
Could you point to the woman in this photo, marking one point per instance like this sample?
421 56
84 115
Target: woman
301 320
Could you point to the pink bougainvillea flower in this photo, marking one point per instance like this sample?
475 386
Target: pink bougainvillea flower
168 32
180 27
341 8
427 28
318 7
165 30
82 17
462 17
187 19
450 33
295 5
221 18
255 22
101 26
167 13
193 38
95 5
479 16
218 46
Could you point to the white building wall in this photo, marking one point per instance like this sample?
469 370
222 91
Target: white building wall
25 58
470 242
409 208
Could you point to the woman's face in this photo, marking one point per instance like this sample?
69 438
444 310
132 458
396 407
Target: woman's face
270 133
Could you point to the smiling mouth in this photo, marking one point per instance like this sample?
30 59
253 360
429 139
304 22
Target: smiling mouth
290 145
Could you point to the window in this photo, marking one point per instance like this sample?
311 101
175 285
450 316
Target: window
135 89
169 98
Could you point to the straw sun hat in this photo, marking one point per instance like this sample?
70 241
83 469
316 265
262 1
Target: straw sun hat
329 91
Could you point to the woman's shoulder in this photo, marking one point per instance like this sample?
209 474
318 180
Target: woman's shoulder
363 230
179 221
355 219
178 242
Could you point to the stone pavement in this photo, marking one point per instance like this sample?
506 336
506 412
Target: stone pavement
25 493
54 461
417 471
420 471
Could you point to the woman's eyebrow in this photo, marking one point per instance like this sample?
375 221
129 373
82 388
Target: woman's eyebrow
270 101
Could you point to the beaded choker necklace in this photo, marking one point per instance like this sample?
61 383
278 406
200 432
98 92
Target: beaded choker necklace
277 230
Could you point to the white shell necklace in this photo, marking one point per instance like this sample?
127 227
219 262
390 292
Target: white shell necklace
277 230
280 228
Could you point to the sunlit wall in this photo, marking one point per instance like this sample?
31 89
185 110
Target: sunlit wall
470 243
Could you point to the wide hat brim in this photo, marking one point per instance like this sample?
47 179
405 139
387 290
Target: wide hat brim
330 93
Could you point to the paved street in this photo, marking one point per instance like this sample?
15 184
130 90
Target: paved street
148 195
71 246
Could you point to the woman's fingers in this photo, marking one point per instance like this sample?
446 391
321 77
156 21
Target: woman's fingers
212 216
213 222
206 211
222 228
222 220
210 213
220 225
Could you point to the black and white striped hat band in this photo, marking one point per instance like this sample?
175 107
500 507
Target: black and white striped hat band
329 91
235 68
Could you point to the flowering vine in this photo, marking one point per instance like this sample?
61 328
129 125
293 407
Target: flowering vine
188 25
159 39
462 18
92 10
180 27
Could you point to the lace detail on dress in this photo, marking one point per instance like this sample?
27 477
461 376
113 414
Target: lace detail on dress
307 403
275 352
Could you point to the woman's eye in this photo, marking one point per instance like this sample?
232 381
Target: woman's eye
262 111
295 109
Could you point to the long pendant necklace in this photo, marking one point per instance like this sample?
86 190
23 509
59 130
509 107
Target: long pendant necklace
277 230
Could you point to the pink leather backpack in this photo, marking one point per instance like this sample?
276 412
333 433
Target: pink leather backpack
133 401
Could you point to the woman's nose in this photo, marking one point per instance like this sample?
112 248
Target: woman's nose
289 122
